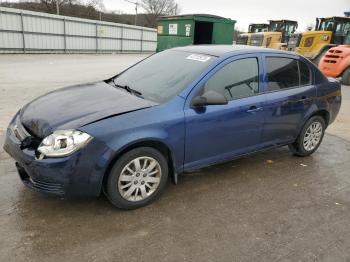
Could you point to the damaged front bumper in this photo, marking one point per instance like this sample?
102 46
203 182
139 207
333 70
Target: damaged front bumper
80 174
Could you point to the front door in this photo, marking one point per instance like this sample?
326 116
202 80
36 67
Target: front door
218 132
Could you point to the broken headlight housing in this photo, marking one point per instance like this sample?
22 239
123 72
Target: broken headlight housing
63 143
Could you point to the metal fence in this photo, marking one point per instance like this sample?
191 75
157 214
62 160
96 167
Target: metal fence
33 32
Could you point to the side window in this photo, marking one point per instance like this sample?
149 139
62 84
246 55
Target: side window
235 80
282 73
305 74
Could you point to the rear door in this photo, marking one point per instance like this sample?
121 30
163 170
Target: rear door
289 95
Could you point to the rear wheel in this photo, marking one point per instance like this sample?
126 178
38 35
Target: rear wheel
310 137
346 77
137 178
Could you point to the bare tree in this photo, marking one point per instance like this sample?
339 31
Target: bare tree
93 7
160 7
54 5
97 4
156 8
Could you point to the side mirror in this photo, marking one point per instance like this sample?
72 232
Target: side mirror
209 98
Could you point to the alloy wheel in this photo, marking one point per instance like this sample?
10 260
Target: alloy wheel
312 136
139 178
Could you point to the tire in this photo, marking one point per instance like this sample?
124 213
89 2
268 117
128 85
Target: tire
318 58
346 77
304 147
130 185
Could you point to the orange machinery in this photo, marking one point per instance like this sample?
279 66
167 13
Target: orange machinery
336 63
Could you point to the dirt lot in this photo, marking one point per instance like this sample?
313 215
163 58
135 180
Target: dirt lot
287 209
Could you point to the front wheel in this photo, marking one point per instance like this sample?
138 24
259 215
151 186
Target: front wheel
137 178
310 137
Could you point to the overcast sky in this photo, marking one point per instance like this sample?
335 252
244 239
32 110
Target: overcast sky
254 11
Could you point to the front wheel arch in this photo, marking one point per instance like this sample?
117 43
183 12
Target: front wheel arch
161 147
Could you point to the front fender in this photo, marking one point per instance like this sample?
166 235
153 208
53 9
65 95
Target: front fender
163 124
148 137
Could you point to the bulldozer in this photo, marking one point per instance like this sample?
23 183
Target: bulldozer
277 36
329 32
244 38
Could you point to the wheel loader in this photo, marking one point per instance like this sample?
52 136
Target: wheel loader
329 32
277 35
244 38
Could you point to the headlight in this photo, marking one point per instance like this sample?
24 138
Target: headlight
63 143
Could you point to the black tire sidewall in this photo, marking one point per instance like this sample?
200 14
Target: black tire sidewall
111 187
318 58
300 150
346 77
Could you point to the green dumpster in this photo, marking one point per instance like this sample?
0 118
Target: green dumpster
197 29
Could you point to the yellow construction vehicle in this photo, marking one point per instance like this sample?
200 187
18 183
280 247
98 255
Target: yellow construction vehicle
277 35
329 32
244 38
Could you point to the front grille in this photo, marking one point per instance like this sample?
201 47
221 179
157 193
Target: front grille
335 51
332 56
256 39
294 41
242 40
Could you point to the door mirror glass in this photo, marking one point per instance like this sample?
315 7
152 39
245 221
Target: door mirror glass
209 98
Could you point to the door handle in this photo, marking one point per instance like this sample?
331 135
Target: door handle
303 98
254 109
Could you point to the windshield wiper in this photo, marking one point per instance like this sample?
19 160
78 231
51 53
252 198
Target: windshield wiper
129 89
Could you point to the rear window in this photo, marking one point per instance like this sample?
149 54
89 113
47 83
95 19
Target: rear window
283 73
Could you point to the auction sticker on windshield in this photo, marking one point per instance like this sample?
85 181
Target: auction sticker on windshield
197 57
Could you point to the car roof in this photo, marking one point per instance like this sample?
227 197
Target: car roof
224 50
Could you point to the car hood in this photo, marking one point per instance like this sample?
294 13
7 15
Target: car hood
76 106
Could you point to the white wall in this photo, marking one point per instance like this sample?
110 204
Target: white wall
31 32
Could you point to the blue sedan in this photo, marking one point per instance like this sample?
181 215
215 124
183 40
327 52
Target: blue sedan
178 110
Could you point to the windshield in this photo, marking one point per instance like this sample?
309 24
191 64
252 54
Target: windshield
342 28
326 25
256 28
164 75
276 26
290 29
282 26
